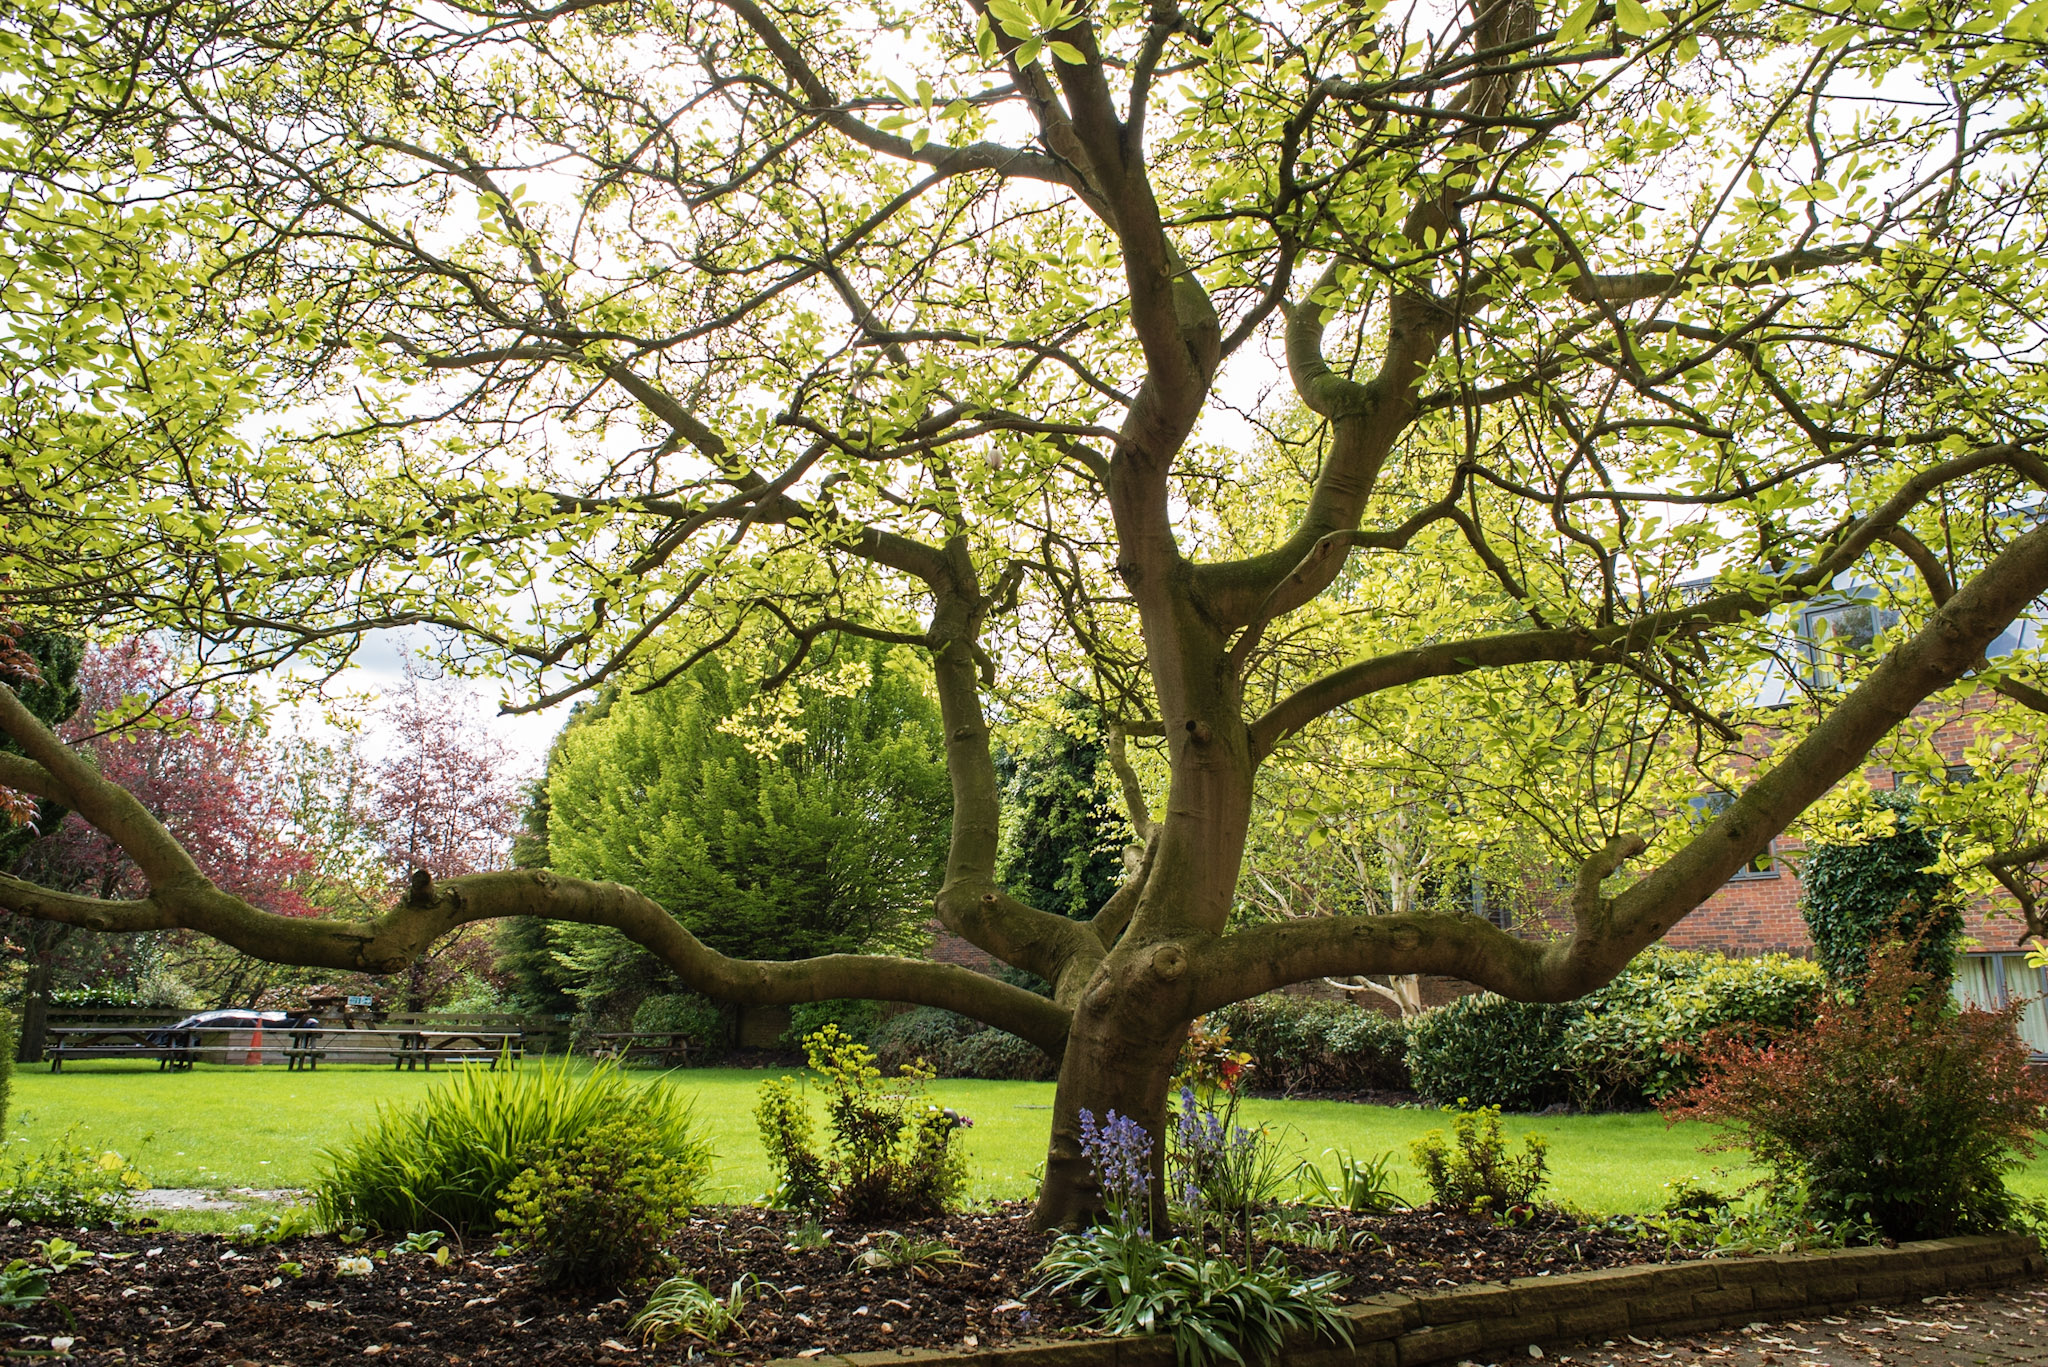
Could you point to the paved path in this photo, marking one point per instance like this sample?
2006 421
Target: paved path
2001 1328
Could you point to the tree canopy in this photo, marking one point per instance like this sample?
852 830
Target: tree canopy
1528 366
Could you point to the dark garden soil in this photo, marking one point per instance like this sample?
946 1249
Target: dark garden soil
185 1298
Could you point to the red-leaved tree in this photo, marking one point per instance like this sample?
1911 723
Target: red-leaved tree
446 798
199 768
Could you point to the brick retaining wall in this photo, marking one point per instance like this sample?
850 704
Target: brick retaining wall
1664 1300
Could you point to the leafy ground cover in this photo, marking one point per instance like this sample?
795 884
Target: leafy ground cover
233 1127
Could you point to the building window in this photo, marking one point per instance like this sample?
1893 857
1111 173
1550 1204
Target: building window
1952 775
1490 903
1708 807
1835 632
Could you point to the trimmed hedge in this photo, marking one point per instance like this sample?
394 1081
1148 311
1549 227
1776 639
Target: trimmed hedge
856 1019
955 1046
1301 1044
1485 1050
998 1054
698 1018
1626 1045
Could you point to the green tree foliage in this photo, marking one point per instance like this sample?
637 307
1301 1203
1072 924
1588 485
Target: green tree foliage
1062 843
811 820
595 337
1859 892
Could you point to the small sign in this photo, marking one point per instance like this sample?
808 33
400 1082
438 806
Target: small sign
360 1001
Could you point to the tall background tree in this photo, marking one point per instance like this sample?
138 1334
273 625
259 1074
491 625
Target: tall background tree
803 822
1062 834
602 337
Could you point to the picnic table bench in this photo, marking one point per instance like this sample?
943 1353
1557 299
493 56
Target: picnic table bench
668 1047
178 1049
407 1049
172 1049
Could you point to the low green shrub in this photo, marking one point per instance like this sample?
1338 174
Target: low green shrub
922 1035
1215 1308
1300 1044
598 1209
1892 1108
1473 1171
892 1154
1492 1052
997 1054
1628 1044
699 1019
858 1020
681 1308
1638 1040
446 1160
67 1182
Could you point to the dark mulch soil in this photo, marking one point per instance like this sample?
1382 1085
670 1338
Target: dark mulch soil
181 1298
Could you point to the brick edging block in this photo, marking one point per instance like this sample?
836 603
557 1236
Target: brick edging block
1396 1330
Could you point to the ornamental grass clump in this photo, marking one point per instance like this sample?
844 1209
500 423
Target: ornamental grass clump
1216 1309
892 1155
1894 1108
447 1160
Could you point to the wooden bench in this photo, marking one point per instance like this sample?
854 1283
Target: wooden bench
670 1048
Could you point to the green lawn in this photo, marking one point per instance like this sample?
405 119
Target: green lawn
217 1127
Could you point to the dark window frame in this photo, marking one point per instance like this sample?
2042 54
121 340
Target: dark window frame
1706 807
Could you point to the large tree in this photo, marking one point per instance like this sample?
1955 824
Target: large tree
600 336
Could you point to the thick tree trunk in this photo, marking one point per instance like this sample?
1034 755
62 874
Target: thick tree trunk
35 1009
1120 1057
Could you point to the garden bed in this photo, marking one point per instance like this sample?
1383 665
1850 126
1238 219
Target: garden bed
181 1298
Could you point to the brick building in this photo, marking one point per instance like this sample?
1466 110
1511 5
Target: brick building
1757 911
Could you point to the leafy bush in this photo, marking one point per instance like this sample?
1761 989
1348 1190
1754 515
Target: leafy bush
67 1183
924 1034
892 1154
447 1160
1300 1044
952 1045
1855 895
1213 1307
1893 1108
1637 1040
1473 1171
597 1210
697 1018
1767 1217
998 1054
1493 1052
1630 1043
858 1020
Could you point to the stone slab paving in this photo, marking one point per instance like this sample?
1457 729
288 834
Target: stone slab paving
2005 1327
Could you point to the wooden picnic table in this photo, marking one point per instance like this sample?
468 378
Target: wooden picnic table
407 1048
670 1047
173 1049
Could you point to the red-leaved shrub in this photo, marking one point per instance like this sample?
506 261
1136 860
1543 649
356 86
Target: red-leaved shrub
1893 1108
